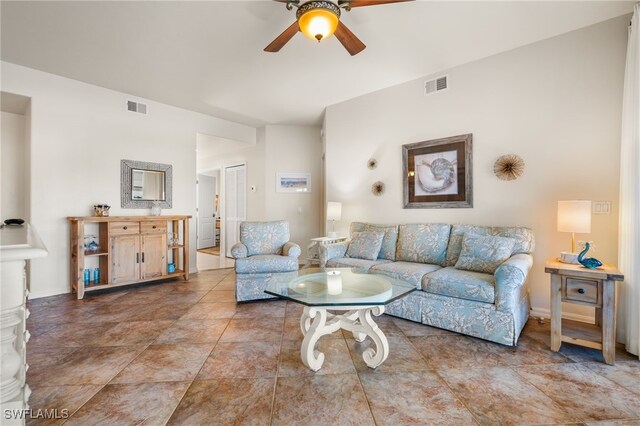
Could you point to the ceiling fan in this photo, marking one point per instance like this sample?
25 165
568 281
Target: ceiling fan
319 19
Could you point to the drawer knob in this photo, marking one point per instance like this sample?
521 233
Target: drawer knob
581 290
154 226
124 227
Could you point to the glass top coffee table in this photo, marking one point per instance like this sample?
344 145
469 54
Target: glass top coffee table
355 295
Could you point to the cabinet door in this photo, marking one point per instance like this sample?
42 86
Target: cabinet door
125 258
154 255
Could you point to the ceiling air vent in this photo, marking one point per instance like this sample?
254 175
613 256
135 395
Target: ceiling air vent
136 107
436 85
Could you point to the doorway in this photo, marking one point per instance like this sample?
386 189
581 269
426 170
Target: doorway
235 202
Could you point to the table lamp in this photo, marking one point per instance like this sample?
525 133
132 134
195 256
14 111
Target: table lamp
334 212
573 216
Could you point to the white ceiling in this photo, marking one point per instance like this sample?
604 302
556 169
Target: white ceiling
207 56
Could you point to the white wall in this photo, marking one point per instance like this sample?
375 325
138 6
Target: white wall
556 103
79 134
295 149
279 149
13 152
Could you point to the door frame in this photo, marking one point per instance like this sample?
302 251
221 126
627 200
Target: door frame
222 201
198 204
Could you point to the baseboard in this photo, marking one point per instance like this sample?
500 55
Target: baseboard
545 313
48 293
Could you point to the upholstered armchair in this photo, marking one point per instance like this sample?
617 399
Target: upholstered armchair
264 249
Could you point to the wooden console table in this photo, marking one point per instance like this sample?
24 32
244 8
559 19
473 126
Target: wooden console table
590 287
131 249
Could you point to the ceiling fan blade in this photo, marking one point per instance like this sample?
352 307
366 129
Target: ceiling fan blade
283 38
349 40
360 3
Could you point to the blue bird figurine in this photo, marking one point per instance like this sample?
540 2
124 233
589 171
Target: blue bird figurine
590 262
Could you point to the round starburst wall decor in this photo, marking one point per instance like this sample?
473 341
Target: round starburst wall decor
509 167
377 188
372 163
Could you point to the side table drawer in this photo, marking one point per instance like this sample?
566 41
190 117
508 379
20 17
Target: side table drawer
585 291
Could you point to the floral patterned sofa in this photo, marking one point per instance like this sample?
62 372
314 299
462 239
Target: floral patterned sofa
471 278
264 249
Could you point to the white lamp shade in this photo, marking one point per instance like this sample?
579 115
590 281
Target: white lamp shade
574 216
334 210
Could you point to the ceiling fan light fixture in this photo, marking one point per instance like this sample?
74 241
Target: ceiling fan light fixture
318 19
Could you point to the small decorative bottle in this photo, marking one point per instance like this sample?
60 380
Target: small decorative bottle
155 209
96 276
87 276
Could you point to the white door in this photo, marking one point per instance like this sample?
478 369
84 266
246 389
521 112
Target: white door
206 211
234 204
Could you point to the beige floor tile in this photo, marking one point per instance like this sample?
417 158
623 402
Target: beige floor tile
403 356
626 374
204 311
247 330
166 363
330 399
226 402
88 365
132 404
500 396
193 331
241 360
456 351
582 392
218 296
413 398
414 329
260 310
182 297
64 335
337 359
66 400
130 333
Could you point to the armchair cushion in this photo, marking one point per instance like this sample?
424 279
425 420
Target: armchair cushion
238 251
407 271
266 263
349 262
460 284
264 237
365 245
484 253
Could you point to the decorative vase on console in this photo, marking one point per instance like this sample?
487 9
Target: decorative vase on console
155 209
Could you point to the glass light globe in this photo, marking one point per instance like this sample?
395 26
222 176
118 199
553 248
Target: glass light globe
318 24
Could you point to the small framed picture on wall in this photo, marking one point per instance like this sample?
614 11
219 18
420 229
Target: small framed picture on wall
437 173
293 182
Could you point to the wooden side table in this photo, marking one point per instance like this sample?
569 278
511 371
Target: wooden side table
314 247
589 287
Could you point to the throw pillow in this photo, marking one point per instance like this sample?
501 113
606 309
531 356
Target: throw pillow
365 245
484 253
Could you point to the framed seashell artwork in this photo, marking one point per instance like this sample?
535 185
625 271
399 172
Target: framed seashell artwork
438 173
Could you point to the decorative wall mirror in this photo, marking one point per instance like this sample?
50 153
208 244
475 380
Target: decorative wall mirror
142 183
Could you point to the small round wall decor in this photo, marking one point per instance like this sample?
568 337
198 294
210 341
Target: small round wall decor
377 188
509 167
372 163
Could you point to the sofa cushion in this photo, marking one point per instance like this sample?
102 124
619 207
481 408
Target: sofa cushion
388 248
365 245
405 271
525 242
484 253
266 263
460 284
423 243
264 237
348 262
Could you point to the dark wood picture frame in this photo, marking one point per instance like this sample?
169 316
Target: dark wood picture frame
445 166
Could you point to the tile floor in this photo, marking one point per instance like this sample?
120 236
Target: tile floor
186 353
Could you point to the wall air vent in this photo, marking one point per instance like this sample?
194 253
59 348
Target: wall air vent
436 85
136 107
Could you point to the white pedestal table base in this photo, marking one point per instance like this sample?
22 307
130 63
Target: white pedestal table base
316 322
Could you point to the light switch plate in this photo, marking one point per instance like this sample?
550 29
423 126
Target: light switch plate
601 207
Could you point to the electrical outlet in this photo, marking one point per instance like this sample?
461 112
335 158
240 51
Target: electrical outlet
601 207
